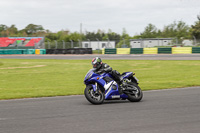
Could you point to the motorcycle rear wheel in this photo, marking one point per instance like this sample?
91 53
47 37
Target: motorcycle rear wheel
136 96
93 97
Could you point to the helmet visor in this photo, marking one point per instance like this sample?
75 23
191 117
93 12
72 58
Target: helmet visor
95 65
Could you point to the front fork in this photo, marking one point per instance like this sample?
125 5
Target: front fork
95 87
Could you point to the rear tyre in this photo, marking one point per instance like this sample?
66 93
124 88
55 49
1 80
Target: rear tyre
135 96
93 97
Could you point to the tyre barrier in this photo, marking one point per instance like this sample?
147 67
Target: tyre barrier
172 50
111 51
136 51
196 50
123 50
181 50
70 51
22 51
164 50
150 50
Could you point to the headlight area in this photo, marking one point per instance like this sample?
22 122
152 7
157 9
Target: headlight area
88 77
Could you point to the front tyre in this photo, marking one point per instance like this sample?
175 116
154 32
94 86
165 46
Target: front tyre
94 97
136 95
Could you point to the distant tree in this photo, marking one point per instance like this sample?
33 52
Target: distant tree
149 32
51 37
12 30
73 36
92 36
32 28
178 30
124 39
3 29
22 33
196 28
112 36
61 35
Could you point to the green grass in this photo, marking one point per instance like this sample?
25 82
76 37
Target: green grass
20 78
96 51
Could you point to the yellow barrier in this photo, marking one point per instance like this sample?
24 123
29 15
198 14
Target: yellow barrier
37 51
181 50
150 51
103 50
123 50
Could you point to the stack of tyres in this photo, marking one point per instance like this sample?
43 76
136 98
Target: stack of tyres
29 51
150 51
164 50
110 51
136 51
42 51
195 49
49 51
1 51
11 51
69 51
181 50
123 50
37 51
87 50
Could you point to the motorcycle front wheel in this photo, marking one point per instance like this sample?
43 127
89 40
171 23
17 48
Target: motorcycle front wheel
92 96
135 96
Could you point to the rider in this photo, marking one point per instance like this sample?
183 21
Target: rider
101 67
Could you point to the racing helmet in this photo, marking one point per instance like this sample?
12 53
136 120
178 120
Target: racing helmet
96 62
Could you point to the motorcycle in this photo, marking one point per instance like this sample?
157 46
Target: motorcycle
100 87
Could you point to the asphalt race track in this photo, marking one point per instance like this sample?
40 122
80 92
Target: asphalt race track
110 57
163 111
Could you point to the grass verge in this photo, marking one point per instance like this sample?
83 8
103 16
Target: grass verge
21 78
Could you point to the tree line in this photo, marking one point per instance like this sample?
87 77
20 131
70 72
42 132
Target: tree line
178 29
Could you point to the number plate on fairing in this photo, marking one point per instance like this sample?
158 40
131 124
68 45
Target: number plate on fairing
116 96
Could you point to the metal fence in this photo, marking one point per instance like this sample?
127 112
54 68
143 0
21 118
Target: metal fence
124 43
61 45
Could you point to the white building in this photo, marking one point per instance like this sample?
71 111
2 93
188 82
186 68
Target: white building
187 42
95 45
150 42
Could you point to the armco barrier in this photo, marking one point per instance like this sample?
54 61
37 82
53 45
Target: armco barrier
164 50
123 50
195 49
150 51
136 51
181 50
70 51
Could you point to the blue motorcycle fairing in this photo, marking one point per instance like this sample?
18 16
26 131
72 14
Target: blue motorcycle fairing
92 77
127 74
